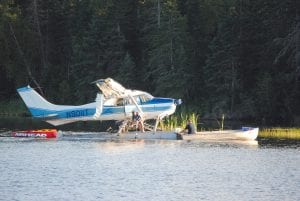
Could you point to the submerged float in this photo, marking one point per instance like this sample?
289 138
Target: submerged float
42 133
246 133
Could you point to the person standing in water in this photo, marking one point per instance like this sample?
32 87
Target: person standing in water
139 121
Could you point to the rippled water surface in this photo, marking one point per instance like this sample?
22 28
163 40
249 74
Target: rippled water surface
147 170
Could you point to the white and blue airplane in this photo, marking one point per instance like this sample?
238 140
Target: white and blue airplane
114 103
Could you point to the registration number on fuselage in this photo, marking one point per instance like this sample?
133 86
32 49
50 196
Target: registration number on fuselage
77 113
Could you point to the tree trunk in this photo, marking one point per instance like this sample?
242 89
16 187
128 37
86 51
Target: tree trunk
37 22
24 59
297 55
158 13
233 74
171 38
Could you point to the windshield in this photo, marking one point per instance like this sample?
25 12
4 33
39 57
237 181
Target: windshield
145 97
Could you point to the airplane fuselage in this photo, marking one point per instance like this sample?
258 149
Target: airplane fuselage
119 109
151 110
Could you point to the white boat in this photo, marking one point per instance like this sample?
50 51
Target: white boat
246 133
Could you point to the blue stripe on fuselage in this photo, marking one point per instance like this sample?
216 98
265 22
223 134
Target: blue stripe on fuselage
70 113
155 108
149 106
159 100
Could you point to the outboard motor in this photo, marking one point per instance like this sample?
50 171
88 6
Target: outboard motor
178 101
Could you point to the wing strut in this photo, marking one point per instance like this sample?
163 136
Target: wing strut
99 106
137 106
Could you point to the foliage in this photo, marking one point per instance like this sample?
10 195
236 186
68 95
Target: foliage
13 108
234 57
179 120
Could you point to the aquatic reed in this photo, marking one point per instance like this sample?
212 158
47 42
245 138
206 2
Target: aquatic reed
284 133
178 121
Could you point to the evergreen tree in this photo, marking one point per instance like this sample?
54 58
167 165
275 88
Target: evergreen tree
99 52
220 72
237 57
166 55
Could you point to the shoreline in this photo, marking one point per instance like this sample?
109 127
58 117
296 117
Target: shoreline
292 133
280 133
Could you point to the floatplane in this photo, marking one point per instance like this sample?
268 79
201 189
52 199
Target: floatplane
113 103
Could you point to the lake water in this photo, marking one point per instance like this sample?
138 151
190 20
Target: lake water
91 169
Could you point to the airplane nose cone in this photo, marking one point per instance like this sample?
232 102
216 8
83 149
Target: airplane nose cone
178 101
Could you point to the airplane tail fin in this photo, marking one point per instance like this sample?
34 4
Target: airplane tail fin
38 106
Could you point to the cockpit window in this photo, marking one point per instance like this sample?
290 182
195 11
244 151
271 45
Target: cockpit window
137 99
128 101
145 97
120 102
140 99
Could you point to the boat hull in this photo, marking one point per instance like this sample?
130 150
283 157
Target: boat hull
247 134
44 133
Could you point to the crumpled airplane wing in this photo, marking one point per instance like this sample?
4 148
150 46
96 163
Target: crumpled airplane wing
110 88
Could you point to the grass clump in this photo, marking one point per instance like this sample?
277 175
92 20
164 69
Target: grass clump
283 133
178 121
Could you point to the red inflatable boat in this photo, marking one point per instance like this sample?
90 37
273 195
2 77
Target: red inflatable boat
43 133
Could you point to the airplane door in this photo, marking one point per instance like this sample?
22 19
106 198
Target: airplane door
130 106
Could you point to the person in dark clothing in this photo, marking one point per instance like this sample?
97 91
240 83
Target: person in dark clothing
190 127
139 121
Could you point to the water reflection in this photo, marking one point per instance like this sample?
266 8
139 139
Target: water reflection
222 143
93 169
117 146
278 143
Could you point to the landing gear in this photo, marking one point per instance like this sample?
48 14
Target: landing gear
156 124
126 125
123 127
158 119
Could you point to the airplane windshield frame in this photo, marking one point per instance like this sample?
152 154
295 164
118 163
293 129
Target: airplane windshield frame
140 99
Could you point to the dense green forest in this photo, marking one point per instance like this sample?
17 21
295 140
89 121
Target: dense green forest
240 58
